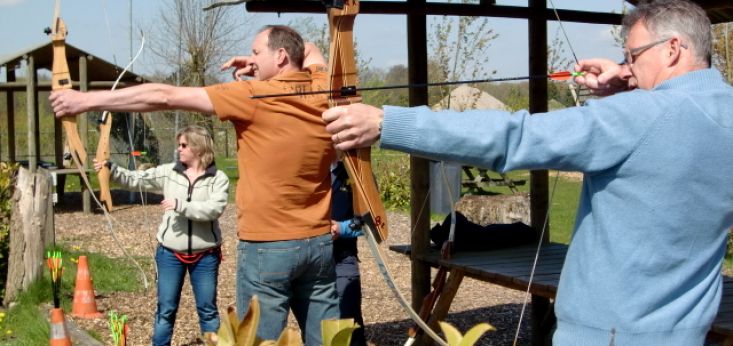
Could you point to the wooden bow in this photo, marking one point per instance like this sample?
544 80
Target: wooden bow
343 79
61 79
367 201
102 155
105 127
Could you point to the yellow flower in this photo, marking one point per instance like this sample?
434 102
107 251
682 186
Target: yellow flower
8 331
2 314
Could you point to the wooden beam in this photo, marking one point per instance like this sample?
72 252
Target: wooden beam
31 107
10 72
538 178
46 85
538 104
417 72
438 9
86 201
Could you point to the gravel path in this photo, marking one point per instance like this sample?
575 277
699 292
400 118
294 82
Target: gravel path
386 323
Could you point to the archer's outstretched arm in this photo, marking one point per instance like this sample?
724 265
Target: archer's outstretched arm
140 98
313 55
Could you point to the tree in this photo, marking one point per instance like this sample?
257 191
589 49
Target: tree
557 60
313 32
193 43
458 50
395 75
616 31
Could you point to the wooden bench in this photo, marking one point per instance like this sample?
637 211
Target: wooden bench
511 268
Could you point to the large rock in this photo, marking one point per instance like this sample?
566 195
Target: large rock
490 209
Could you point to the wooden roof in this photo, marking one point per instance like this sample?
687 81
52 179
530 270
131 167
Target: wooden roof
98 68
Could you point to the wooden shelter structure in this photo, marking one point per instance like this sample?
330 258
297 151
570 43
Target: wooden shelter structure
537 14
88 72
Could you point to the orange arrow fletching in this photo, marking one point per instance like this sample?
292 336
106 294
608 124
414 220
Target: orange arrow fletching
564 75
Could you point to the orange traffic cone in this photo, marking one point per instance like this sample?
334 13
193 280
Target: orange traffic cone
84 305
59 334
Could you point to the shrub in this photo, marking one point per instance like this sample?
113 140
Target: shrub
7 183
393 178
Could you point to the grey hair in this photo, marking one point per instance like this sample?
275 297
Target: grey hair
682 18
200 141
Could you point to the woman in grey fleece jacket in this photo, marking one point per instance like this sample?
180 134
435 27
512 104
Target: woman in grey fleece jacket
195 195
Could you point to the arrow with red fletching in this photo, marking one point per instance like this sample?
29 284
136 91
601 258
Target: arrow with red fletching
352 90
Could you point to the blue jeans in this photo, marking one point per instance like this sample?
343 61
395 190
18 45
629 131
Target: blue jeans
289 274
171 273
348 286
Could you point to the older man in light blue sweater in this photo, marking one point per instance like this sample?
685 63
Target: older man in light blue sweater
643 267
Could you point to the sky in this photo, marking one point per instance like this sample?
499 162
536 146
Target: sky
102 27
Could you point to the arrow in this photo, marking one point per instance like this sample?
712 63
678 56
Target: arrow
352 90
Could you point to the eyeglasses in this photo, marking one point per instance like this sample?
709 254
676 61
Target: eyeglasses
632 54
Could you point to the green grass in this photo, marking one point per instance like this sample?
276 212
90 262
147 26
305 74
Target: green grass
109 275
22 325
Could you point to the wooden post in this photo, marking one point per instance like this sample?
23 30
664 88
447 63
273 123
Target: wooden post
11 115
29 230
538 179
419 169
86 201
31 107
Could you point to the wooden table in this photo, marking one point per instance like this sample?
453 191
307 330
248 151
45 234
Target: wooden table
512 267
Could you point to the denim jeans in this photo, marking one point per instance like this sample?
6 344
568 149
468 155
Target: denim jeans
289 274
348 286
171 273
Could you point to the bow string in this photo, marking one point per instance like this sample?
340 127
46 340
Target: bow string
552 192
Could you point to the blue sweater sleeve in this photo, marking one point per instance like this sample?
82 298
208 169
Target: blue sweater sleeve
590 138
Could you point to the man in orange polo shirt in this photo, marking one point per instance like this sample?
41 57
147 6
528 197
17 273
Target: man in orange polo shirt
284 153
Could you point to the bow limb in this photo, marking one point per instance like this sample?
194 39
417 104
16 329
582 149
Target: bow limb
367 201
343 80
61 79
103 149
102 155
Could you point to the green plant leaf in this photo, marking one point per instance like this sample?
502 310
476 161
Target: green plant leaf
475 333
343 337
225 333
452 335
289 337
247 330
337 332
232 320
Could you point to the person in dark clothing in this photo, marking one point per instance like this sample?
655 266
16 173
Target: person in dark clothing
345 230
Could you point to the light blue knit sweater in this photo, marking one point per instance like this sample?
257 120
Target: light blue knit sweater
643 267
